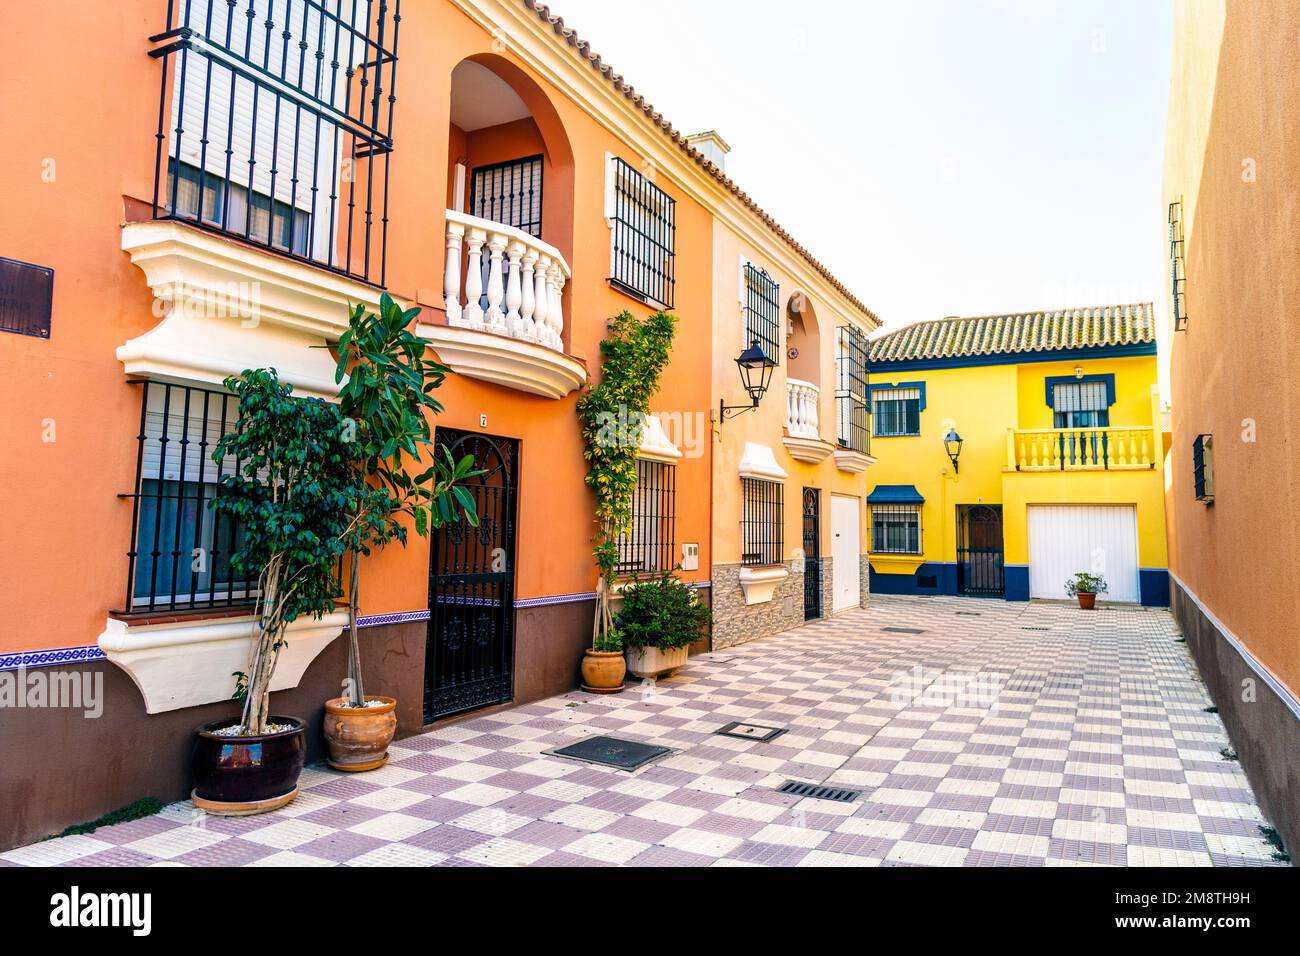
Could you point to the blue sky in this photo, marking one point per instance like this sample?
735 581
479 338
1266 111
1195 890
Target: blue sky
946 157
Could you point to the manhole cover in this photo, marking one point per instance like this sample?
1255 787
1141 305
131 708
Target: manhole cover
902 630
612 752
751 732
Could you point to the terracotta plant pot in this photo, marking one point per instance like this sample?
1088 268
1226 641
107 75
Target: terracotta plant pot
358 737
603 673
1087 601
650 663
242 776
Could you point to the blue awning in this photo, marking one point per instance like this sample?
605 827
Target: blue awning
896 495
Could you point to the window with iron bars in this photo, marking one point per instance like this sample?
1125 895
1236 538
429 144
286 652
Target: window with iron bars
509 193
762 311
852 395
1178 265
643 260
180 547
1203 468
648 547
275 125
762 522
896 529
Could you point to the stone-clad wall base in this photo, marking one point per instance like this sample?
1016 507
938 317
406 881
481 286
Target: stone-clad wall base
864 578
828 586
1264 730
734 622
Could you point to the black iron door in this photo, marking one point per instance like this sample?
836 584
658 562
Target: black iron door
980 568
812 554
470 653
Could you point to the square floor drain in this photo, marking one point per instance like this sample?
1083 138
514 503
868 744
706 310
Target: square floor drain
751 732
612 752
902 630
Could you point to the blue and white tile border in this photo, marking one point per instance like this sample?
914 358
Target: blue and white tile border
23 660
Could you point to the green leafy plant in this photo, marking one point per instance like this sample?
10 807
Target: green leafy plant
1083 583
147 807
297 478
387 403
662 612
612 416
611 642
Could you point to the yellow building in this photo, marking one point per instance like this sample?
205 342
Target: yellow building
1015 451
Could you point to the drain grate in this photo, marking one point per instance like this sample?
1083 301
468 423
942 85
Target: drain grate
969 614
1035 628
612 752
814 791
902 630
751 732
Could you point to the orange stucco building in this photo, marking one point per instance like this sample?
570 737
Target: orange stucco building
1234 496
228 183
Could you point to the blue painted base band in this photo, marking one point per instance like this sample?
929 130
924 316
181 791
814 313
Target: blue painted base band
1154 586
1017 582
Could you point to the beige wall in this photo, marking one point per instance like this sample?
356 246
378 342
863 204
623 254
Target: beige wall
1233 106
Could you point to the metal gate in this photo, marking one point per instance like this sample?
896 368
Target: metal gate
470 650
812 554
980 559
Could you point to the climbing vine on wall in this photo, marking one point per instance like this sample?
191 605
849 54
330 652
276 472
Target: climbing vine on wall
612 417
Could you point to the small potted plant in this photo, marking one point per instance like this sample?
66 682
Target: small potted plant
603 667
1086 587
660 620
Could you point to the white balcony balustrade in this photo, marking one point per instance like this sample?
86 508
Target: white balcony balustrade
503 280
801 409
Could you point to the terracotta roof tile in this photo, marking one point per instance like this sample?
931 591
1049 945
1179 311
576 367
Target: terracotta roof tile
570 36
1058 330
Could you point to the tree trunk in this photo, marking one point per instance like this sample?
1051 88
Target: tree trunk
356 693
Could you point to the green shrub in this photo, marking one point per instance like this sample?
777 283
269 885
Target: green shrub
1083 583
663 613
147 807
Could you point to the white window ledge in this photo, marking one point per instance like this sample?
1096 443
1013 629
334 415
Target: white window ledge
759 461
760 584
192 663
503 360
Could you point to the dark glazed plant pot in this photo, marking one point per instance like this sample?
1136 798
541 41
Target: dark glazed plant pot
242 776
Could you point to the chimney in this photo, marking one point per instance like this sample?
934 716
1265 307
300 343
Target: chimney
712 146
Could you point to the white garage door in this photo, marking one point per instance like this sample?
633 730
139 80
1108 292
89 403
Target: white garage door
1100 540
846 541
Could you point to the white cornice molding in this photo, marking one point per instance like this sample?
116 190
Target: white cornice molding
502 360
655 443
507 21
814 451
759 461
853 462
227 306
759 584
189 664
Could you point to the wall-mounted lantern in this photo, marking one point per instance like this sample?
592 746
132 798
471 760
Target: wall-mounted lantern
756 370
952 443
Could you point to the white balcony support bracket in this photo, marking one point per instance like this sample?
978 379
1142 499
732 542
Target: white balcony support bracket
191 663
226 306
505 361
853 462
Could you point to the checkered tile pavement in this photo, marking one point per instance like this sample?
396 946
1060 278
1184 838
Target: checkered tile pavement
998 735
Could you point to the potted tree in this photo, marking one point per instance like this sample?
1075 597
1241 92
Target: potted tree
659 621
1086 587
289 495
386 405
612 416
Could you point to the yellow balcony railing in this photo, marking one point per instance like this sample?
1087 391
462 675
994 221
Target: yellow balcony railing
1082 449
